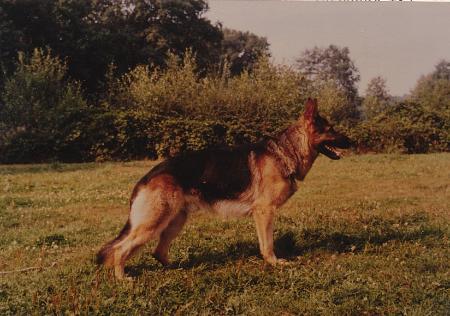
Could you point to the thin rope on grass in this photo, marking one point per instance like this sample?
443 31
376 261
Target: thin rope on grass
20 270
27 269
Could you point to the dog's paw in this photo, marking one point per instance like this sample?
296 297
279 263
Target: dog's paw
120 275
162 259
274 261
126 279
283 262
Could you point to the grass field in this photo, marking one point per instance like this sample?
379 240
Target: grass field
365 235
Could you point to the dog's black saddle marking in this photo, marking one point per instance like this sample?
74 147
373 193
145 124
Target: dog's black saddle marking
216 174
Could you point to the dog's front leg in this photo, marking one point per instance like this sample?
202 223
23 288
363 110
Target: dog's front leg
264 217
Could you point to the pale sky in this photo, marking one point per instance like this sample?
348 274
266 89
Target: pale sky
398 40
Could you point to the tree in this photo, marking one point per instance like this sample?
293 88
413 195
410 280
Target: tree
7 40
59 25
330 71
93 34
433 90
417 124
377 97
176 26
15 17
42 112
333 101
330 64
442 71
242 49
432 93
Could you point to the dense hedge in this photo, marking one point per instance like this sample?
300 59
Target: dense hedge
166 112
152 112
405 127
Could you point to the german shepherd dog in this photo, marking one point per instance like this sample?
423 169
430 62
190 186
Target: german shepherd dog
249 180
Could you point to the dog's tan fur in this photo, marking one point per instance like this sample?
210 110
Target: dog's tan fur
160 205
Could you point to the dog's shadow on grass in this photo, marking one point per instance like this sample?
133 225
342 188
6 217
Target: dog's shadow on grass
206 256
289 245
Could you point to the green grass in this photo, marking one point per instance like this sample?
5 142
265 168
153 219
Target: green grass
365 235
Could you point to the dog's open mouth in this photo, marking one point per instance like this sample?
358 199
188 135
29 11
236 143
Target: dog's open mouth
330 151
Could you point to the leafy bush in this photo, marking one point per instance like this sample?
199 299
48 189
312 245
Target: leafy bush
377 98
153 112
334 103
42 113
404 127
419 124
172 110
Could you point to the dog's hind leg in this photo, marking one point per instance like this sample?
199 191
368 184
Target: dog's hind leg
153 208
167 236
129 245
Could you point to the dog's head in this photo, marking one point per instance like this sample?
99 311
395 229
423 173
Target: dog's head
321 134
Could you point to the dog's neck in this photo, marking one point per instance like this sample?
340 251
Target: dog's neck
293 149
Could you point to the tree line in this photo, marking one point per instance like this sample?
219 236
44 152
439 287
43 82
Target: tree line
92 34
106 79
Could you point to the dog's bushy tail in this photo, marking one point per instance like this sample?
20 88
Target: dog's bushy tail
105 255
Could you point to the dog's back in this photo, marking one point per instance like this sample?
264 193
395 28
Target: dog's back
215 174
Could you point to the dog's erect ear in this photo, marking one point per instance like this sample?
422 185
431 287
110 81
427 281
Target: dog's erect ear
310 109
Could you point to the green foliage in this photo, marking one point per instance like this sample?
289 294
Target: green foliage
93 34
164 79
406 127
242 49
420 123
332 72
143 114
433 91
377 98
177 110
333 102
161 111
42 113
